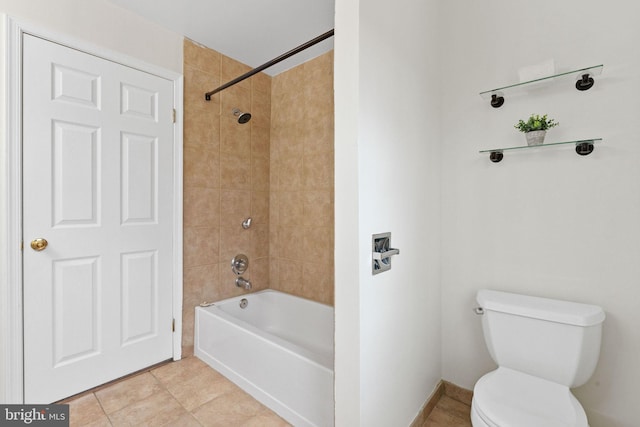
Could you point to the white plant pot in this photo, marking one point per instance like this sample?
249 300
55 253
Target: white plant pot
535 137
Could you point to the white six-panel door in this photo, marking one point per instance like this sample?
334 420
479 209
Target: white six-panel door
98 187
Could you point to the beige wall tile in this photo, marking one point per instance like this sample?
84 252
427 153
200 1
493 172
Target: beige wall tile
290 279
278 169
201 284
274 271
317 281
260 173
232 69
201 206
302 180
235 171
318 244
201 128
318 171
222 189
318 208
290 174
260 274
201 246
290 146
237 96
235 207
201 167
260 109
260 141
234 137
259 234
290 242
274 209
261 83
260 207
201 57
291 205
196 84
234 240
319 138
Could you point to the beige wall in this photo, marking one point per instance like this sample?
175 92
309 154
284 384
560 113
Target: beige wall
278 169
226 180
103 24
302 180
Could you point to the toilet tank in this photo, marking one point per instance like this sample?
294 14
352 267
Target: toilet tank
547 338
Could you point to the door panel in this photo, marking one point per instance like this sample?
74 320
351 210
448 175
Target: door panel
139 179
75 174
75 310
98 186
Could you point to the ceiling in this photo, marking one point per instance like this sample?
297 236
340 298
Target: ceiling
250 31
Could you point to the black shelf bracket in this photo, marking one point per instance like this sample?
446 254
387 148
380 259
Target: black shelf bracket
584 148
496 156
585 83
497 101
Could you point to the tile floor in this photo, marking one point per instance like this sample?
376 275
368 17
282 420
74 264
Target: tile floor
189 393
449 412
184 393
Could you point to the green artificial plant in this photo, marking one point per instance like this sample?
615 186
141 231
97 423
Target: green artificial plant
535 122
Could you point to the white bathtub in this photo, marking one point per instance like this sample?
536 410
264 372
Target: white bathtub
279 349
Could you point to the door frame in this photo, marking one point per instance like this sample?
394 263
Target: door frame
11 305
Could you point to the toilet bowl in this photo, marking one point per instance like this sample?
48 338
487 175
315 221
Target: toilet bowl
542 347
507 398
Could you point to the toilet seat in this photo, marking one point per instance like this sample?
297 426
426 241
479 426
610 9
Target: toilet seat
507 398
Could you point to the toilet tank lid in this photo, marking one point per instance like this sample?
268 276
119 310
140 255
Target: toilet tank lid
571 313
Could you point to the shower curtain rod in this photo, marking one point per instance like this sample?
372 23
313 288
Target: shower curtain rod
274 61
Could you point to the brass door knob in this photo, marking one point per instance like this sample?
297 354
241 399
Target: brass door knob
39 244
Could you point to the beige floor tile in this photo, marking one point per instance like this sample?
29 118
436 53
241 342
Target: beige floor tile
124 393
103 421
159 409
231 409
266 418
181 370
86 411
449 413
186 420
458 393
454 408
203 385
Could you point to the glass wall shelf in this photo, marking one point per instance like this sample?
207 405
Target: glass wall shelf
583 148
583 78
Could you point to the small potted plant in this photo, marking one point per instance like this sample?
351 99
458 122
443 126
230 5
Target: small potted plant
535 128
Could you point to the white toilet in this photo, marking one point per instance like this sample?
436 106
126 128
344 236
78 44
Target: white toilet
543 347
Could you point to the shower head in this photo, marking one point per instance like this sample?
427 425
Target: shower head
242 117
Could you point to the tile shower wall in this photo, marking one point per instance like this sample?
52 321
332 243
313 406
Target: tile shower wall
302 222
278 169
226 180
